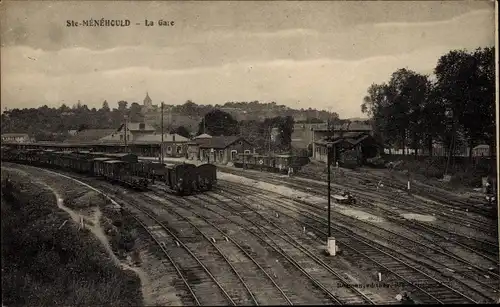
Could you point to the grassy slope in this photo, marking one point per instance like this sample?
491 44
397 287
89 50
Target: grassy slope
46 264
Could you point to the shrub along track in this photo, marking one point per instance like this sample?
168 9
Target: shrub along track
418 267
446 232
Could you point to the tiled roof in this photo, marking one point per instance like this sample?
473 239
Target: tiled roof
89 135
15 135
482 147
352 138
203 136
352 127
219 142
136 127
156 138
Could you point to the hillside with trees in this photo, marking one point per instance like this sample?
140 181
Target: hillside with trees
53 124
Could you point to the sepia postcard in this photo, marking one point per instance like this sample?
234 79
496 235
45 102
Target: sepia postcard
180 153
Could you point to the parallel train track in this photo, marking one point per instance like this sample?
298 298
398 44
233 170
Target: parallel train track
481 246
388 256
276 242
418 245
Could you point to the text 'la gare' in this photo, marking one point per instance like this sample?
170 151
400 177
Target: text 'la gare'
161 22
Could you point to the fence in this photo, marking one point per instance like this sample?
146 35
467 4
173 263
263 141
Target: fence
438 152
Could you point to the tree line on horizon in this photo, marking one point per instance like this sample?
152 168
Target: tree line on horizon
53 124
455 108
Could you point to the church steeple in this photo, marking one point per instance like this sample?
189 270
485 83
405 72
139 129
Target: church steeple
147 101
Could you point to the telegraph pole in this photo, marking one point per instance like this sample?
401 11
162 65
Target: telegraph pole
270 132
161 145
329 147
125 133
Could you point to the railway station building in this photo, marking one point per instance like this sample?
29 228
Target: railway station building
218 149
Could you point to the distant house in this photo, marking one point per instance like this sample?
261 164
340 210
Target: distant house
89 136
15 138
302 135
219 149
134 130
481 151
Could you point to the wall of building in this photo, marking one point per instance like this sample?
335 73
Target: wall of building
16 139
193 152
320 153
225 155
175 149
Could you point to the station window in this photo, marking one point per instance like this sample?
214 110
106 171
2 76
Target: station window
179 149
233 154
169 149
247 151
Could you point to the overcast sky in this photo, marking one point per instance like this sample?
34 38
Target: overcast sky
301 54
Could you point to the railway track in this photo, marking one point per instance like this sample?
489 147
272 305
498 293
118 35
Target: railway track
367 199
269 293
444 197
453 294
367 180
368 190
293 252
211 282
438 256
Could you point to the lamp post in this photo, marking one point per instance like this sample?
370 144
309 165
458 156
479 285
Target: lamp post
329 148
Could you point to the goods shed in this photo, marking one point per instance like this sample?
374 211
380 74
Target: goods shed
349 148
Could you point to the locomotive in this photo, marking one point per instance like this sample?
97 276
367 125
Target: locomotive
122 168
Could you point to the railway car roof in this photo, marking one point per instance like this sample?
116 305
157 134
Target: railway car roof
101 159
113 161
120 154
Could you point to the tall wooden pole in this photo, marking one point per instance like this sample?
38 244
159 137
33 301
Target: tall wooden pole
270 132
161 145
125 133
329 146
